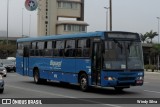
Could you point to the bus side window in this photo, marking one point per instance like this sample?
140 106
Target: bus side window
20 49
59 49
40 48
48 48
33 48
83 48
70 48
86 50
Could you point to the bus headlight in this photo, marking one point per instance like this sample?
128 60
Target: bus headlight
109 78
139 78
140 74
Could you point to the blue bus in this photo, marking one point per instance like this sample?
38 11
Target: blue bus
95 59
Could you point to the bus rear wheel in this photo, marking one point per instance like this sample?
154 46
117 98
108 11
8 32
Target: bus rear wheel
84 82
37 79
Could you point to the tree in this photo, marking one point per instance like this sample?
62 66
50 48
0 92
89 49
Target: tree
155 51
7 50
151 35
143 37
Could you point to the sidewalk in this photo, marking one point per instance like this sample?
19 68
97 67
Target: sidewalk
150 71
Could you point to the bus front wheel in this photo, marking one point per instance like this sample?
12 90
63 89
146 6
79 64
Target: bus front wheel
1 90
84 82
118 89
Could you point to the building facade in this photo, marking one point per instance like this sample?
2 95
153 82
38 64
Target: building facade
51 13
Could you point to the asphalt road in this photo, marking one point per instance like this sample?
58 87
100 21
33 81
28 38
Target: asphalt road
17 86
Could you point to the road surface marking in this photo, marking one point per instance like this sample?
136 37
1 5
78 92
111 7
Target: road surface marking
13 75
65 96
27 89
152 91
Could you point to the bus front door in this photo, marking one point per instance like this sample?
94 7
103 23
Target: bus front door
26 61
96 63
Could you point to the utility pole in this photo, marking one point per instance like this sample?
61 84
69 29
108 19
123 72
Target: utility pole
158 28
158 43
110 3
7 18
106 18
22 22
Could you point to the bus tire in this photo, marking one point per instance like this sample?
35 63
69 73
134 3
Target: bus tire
1 90
37 79
118 89
84 82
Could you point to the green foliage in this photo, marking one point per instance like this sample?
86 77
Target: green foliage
150 35
143 37
151 67
155 50
7 50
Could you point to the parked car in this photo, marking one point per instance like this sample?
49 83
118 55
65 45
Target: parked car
13 59
9 65
1 84
3 70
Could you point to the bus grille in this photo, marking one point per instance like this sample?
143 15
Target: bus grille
126 78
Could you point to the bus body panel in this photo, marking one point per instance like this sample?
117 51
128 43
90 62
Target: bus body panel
19 65
58 69
83 65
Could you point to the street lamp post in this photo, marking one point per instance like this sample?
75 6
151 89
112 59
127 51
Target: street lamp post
110 3
106 18
158 42
158 28
22 22
7 18
29 25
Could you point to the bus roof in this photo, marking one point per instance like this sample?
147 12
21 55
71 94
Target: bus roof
70 36
64 36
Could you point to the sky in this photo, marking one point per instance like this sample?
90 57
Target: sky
128 15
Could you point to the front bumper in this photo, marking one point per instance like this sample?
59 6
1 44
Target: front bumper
10 68
122 79
1 84
3 73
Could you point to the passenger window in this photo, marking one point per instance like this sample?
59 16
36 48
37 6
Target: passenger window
33 45
40 45
70 48
59 48
40 49
20 49
33 49
83 48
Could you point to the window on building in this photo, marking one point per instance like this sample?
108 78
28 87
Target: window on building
67 5
75 28
74 6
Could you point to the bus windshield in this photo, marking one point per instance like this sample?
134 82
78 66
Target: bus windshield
123 55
